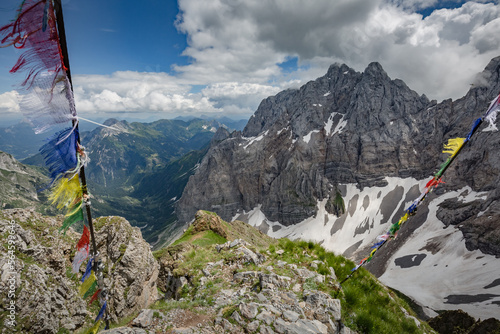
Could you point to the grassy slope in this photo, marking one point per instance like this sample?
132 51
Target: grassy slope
367 305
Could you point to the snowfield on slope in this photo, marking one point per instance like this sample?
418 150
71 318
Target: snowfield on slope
451 278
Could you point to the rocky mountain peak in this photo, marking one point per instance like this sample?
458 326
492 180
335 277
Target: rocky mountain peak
220 135
488 79
375 70
344 155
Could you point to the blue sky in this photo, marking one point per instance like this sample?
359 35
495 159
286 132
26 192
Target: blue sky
156 59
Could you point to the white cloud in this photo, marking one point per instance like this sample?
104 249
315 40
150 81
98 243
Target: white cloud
137 92
236 48
164 95
245 40
9 102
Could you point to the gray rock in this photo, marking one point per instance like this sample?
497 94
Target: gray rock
134 273
273 281
245 276
144 319
281 263
45 297
311 326
253 326
266 317
318 299
290 316
249 311
332 274
261 298
125 330
346 330
183 331
266 330
237 242
236 316
250 256
272 309
281 326
305 274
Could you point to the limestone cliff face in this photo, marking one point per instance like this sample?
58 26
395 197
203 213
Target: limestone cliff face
131 268
46 292
19 183
301 146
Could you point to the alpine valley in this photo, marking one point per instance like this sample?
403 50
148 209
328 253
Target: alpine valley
138 170
340 159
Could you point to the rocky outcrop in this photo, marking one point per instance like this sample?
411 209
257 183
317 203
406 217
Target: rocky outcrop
35 277
299 145
206 221
36 272
237 287
131 269
450 322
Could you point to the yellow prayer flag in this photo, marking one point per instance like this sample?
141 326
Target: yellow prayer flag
94 328
66 191
453 145
87 284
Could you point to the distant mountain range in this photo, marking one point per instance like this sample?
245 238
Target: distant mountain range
136 170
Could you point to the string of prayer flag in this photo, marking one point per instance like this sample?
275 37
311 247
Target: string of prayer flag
452 148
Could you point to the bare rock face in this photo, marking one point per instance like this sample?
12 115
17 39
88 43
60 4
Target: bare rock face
299 145
130 267
38 270
19 183
35 276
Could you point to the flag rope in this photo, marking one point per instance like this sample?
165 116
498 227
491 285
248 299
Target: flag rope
453 148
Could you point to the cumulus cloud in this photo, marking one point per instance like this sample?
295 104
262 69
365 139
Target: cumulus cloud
164 95
245 41
9 102
237 48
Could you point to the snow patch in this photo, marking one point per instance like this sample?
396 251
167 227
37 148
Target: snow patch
252 140
451 270
340 126
490 127
329 124
307 137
